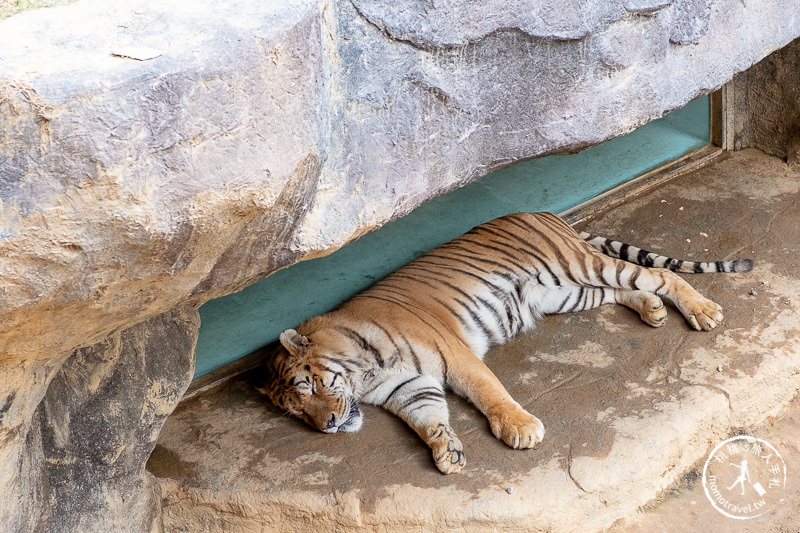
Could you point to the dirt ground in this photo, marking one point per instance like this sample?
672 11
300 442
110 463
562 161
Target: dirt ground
685 507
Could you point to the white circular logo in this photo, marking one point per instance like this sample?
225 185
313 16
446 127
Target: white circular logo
744 477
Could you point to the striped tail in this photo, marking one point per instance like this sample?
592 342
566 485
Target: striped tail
632 254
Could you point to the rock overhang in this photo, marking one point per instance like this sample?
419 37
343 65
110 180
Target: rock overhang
189 149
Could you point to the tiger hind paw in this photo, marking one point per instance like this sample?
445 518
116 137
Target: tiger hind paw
649 306
654 314
705 315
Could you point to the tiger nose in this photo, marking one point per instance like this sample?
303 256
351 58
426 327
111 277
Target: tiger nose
331 423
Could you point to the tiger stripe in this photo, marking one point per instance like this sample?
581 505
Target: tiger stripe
639 256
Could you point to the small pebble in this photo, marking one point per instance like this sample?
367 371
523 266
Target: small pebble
753 292
719 368
510 490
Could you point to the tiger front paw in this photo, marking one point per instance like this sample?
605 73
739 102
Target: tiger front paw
448 452
517 428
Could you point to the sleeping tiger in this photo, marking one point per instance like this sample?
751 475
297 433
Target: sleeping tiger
427 326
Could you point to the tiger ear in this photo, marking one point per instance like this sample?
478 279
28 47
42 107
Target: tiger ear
295 343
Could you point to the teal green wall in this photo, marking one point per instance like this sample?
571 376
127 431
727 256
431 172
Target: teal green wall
240 323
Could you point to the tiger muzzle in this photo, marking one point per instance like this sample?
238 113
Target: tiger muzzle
352 421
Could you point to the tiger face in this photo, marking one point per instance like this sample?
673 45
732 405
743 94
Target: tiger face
306 385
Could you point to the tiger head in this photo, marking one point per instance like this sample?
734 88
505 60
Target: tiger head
304 380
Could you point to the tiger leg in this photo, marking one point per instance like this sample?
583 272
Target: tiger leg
469 377
699 311
569 298
420 402
599 270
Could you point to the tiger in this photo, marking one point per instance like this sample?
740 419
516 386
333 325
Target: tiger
426 327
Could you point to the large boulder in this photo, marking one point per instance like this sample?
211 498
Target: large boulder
269 133
80 464
159 154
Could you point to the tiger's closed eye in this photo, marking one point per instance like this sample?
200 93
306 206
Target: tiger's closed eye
304 388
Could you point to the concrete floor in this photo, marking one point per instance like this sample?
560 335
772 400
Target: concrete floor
628 409
684 505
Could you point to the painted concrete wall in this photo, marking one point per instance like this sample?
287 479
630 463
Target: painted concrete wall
235 325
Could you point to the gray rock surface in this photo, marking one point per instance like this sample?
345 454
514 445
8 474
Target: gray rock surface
259 134
82 461
460 22
160 180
